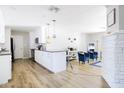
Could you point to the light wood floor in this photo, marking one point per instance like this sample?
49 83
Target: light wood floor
28 74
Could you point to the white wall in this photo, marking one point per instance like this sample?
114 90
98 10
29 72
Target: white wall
61 41
96 38
7 39
34 34
81 41
25 36
121 17
119 25
2 28
32 38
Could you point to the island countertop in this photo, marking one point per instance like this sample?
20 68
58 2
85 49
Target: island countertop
51 51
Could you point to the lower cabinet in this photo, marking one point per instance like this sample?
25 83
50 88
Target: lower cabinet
5 68
53 61
44 59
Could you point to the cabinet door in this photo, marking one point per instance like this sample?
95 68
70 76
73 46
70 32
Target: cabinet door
2 28
49 61
43 35
37 56
5 68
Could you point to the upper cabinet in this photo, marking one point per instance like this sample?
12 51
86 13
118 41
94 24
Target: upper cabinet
2 28
42 35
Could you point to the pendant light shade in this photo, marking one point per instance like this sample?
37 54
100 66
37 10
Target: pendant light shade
54 32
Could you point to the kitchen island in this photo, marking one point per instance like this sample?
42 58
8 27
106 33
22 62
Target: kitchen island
55 61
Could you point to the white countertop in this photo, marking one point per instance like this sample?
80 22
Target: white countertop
5 53
52 51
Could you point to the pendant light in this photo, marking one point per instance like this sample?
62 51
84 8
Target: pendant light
48 35
54 10
48 30
54 32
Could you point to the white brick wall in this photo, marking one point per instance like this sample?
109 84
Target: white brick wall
113 59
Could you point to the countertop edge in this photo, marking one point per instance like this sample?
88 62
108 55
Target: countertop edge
5 54
50 51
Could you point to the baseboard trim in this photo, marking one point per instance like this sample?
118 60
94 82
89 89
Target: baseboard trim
22 58
105 81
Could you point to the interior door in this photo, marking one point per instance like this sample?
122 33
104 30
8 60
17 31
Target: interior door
18 47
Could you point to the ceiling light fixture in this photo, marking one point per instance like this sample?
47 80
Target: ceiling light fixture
54 32
54 9
48 30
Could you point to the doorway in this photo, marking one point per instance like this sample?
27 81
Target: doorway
18 45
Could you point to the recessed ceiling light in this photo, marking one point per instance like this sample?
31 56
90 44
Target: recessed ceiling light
54 9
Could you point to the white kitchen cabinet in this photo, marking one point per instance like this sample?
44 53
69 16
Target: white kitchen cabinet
42 35
113 59
2 28
5 68
53 61
36 56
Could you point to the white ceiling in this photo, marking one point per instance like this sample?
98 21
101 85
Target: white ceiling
82 18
